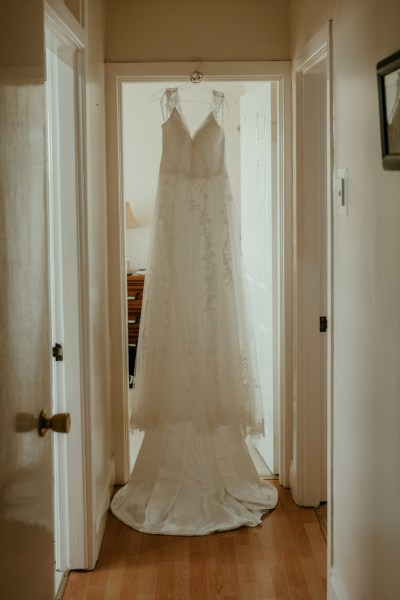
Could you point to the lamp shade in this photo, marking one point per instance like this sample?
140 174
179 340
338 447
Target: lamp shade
130 220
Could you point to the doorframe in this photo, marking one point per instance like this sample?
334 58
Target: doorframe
116 75
319 48
77 542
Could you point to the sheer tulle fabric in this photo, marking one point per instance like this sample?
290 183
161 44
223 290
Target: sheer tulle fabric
195 361
196 393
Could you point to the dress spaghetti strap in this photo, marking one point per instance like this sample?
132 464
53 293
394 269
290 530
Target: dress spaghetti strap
218 103
169 101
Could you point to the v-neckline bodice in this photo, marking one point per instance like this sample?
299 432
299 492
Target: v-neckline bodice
197 155
209 117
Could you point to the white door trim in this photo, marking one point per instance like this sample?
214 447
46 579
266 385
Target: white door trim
78 545
319 48
62 22
116 75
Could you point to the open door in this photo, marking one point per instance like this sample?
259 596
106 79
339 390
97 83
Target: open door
62 111
26 475
313 315
259 234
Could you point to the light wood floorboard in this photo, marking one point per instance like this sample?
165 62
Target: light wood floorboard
282 559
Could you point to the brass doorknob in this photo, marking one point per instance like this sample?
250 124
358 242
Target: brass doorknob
60 423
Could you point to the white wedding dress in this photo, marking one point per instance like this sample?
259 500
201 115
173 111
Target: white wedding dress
196 395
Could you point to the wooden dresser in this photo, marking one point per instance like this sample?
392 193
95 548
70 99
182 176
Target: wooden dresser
135 296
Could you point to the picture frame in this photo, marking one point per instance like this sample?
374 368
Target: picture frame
388 73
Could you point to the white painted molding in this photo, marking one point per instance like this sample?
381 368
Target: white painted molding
335 587
101 513
311 48
230 71
286 280
331 595
116 75
77 467
306 489
64 23
292 475
320 46
117 279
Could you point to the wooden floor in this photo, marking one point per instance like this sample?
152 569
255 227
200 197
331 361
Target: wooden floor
284 558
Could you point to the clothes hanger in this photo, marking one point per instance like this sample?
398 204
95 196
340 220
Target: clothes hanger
229 99
196 78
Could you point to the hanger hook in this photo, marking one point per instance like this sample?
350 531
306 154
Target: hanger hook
196 76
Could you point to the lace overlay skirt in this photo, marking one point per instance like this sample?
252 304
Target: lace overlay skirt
195 358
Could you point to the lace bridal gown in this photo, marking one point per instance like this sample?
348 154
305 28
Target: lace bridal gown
195 394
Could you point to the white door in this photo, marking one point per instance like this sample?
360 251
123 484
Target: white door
26 482
313 274
63 199
312 268
257 234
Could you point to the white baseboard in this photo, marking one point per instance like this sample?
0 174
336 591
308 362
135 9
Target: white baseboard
102 511
335 587
292 474
293 483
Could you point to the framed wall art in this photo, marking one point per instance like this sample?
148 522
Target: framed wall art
388 72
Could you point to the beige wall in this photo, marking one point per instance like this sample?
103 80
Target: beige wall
75 7
366 419
305 18
183 30
23 18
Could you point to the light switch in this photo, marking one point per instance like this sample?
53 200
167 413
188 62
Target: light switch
341 192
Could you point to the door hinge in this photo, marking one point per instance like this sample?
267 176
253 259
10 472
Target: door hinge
58 352
323 324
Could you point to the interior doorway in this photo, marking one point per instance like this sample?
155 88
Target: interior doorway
117 75
63 110
313 315
251 126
